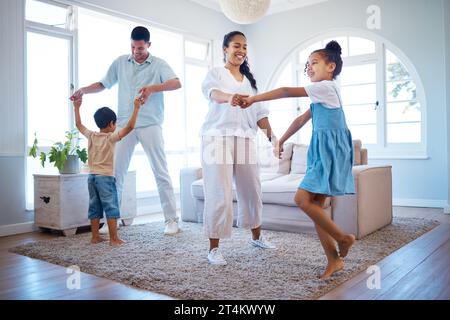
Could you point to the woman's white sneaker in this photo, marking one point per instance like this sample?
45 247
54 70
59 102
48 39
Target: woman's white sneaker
262 243
216 258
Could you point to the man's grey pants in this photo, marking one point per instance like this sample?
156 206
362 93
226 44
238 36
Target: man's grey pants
152 142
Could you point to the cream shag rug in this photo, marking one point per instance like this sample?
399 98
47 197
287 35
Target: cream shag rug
177 265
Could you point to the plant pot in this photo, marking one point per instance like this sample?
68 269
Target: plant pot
71 166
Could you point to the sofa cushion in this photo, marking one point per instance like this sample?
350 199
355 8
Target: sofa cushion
281 190
269 176
299 156
197 185
268 163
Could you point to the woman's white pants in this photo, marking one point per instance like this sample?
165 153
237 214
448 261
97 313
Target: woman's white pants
226 160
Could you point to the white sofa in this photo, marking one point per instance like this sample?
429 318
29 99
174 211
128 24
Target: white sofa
368 210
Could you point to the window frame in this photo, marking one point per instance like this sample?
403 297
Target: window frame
69 34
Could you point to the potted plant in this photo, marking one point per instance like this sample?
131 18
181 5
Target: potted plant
65 156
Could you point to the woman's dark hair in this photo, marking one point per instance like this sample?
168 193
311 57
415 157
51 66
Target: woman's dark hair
244 67
140 33
104 116
332 53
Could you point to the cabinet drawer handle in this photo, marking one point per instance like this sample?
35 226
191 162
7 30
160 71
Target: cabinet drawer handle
45 199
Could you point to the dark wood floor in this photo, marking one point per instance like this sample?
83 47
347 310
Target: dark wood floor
419 270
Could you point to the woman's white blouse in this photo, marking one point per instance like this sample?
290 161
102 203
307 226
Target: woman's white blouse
223 119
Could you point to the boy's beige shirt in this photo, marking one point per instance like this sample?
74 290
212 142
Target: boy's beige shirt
101 148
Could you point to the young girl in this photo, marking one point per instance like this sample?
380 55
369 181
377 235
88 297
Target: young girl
330 154
229 151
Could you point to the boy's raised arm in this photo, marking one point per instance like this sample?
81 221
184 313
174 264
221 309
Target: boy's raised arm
78 123
132 121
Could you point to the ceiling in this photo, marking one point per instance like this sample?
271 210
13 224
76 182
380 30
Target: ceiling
276 6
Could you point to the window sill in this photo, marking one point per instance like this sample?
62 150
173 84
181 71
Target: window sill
399 157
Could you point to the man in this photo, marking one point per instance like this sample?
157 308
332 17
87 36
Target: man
146 77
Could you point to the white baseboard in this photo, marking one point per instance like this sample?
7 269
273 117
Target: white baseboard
447 209
12 229
422 203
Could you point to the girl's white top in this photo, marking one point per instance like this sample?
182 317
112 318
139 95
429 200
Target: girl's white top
222 118
326 92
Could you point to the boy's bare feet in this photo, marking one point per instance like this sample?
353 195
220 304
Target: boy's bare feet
345 244
332 267
116 242
96 240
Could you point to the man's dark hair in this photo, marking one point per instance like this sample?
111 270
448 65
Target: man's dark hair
104 116
140 33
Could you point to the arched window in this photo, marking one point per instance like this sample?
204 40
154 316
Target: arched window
382 95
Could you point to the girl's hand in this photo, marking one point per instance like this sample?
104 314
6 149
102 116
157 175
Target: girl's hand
246 102
278 148
236 99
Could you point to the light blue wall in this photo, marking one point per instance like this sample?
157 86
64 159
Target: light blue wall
12 186
12 166
446 17
416 27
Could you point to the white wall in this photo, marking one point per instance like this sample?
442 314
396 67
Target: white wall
416 27
12 84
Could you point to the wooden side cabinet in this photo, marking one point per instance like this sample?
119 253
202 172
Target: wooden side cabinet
61 201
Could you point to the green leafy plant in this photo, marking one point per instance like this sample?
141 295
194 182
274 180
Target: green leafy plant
60 151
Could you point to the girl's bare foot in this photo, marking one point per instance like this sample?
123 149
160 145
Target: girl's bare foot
96 240
116 242
345 245
332 267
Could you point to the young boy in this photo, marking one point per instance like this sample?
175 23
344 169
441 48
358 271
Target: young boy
101 181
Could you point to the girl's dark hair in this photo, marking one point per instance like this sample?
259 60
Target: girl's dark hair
332 53
245 67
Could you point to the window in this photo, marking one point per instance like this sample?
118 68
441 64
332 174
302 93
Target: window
197 64
184 109
97 39
49 41
379 91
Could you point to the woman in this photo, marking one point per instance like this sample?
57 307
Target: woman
229 150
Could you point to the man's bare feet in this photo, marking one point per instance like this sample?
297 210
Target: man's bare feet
96 240
345 244
116 242
332 267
